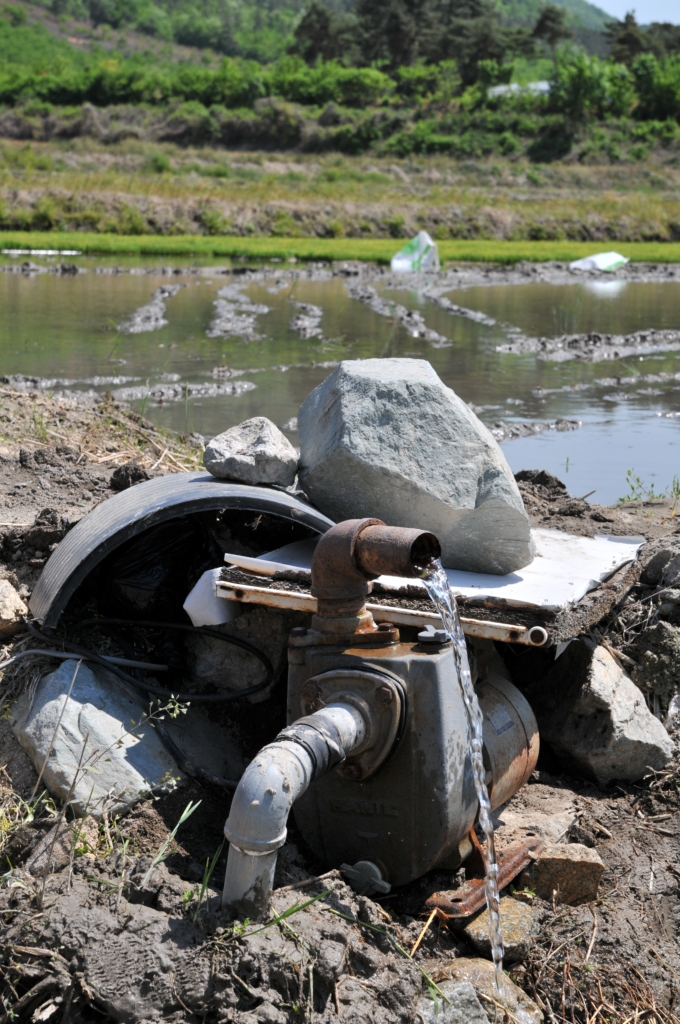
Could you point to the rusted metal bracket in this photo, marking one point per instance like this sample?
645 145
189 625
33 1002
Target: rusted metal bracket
466 901
532 636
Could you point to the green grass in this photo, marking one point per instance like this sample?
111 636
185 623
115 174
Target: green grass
378 249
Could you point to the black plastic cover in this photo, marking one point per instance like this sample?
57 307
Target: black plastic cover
138 508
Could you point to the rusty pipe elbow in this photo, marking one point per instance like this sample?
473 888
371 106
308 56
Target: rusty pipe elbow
394 551
354 552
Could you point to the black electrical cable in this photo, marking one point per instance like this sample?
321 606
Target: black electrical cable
158 691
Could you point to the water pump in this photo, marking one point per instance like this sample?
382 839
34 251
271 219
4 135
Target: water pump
374 760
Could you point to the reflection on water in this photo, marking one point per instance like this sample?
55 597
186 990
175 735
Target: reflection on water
609 307
65 328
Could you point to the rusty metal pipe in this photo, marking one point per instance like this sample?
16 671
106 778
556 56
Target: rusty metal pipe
395 551
353 553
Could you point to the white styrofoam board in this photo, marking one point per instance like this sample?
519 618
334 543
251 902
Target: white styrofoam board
564 570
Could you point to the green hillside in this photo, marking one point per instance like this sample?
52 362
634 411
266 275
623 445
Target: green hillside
525 12
264 30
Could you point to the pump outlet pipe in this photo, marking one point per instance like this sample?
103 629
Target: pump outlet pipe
272 782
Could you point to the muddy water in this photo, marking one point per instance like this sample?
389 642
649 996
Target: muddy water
65 328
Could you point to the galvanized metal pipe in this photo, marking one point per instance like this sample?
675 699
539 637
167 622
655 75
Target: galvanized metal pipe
281 772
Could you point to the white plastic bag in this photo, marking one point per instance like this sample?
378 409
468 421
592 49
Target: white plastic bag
419 254
600 261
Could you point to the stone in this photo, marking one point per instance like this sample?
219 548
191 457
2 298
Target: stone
654 558
658 660
212 663
12 608
254 452
122 757
386 438
519 925
596 719
127 475
481 974
571 872
463 1006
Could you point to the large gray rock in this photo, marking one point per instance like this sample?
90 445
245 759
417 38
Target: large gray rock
595 717
122 759
386 438
254 452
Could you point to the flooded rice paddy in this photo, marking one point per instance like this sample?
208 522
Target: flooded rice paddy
226 345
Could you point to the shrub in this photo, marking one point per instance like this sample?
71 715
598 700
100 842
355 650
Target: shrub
585 87
657 83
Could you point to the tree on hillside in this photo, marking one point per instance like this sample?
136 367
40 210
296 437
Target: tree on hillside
626 39
396 32
471 31
663 37
551 26
323 34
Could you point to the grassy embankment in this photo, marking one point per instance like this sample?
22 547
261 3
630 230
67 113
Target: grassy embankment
307 205
379 250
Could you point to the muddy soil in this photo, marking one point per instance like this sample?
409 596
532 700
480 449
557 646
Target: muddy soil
105 938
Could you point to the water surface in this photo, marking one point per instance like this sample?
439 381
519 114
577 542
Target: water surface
64 328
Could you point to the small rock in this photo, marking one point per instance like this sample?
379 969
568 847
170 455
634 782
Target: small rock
463 1006
571 871
121 758
386 438
127 475
11 610
658 660
519 925
481 974
655 557
596 719
254 452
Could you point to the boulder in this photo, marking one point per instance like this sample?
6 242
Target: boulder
519 925
254 452
11 610
596 719
481 975
121 757
570 872
463 1006
386 438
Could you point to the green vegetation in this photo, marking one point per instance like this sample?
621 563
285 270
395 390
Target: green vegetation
335 28
639 491
379 250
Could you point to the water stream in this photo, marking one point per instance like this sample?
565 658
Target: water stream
441 595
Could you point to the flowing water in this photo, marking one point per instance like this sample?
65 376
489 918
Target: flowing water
441 595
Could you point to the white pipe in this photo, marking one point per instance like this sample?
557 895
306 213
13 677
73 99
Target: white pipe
270 785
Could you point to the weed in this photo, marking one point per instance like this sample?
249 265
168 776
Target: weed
164 851
159 163
210 866
638 490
